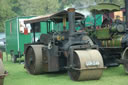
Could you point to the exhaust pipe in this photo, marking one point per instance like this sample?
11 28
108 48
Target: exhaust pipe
71 19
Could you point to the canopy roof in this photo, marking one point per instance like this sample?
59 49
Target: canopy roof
104 7
56 17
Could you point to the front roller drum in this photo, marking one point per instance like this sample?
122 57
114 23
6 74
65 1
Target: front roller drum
33 59
88 65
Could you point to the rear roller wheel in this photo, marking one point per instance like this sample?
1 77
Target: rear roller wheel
88 65
33 59
124 57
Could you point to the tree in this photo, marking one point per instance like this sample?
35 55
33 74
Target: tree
15 6
38 7
66 3
5 13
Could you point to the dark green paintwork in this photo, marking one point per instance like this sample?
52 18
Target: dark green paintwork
103 33
89 21
114 42
13 36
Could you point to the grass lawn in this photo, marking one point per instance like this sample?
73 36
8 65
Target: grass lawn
19 76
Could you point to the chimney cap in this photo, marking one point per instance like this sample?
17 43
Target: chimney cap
71 9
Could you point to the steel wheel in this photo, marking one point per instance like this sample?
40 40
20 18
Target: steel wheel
125 56
82 71
33 59
74 74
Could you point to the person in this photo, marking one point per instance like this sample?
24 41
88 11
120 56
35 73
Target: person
105 23
117 20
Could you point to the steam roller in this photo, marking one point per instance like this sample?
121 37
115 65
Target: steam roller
66 50
87 64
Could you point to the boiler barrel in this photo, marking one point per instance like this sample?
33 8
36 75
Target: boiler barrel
116 41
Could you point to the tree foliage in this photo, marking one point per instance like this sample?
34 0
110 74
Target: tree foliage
5 13
38 7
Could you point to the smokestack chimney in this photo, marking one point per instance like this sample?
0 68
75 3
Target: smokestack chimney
71 19
126 10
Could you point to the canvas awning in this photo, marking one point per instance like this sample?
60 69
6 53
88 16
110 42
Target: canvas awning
104 8
56 17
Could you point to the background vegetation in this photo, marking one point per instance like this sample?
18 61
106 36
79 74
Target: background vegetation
13 8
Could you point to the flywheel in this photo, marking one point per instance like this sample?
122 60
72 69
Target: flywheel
87 65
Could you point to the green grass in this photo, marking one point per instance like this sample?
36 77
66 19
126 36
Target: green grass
18 76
